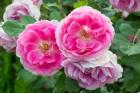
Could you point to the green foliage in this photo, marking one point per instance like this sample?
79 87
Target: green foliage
65 84
55 15
131 80
80 3
3 4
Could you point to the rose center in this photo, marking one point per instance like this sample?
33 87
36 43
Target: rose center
44 46
84 34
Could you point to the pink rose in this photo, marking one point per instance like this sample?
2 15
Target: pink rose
37 2
92 74
37 48
84 33
126 5
7 42
18 8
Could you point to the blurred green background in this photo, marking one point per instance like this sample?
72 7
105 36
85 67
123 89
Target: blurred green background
3 4
14 79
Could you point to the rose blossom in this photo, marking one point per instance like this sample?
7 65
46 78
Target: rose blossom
37 48
37 2
7 42
18 8
84 33
126 5
92 74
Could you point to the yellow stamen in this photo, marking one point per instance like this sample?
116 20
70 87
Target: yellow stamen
84 34
44 46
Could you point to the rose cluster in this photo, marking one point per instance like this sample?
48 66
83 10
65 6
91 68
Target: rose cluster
84 38
79 44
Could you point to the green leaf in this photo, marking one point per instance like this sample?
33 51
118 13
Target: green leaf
100 1
80 3
27 20
60 84
26 76
121 43
108 12
21 86
68 2
65 84
104 90
126 29
132 85
38 83
131 80
49 1
83 91
135 49
13 28
137 13
71 85
132 61
55 15
51 82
